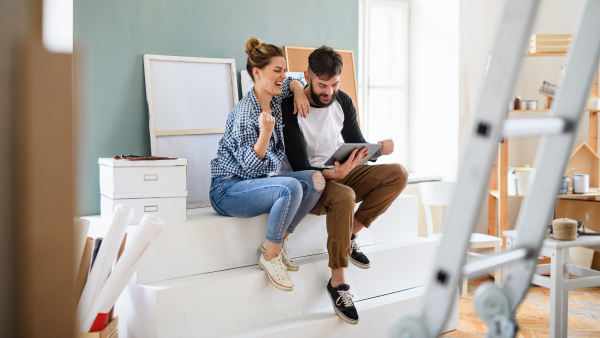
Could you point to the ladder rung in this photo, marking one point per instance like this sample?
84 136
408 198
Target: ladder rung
534 127
485 265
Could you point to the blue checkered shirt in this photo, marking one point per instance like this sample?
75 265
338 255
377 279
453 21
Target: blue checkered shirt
236 155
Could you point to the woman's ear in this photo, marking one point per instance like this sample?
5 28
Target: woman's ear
256 73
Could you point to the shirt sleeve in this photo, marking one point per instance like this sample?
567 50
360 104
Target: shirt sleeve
245 134
295 145
351 132
285 87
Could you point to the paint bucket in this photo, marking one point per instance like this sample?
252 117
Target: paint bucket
564 189
581 184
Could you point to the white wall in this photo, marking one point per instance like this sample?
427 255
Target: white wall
434 87
478 24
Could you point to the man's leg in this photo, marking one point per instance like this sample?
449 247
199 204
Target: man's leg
377 186
338 203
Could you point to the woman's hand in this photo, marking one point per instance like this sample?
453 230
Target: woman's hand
266 121
301 103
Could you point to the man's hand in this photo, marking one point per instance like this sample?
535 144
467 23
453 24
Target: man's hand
387 147
266 121
340 171
301 103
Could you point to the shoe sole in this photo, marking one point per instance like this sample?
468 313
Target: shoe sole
359 264
289 268
275 284
339 313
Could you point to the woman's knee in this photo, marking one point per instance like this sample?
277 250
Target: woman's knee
318 181
292 186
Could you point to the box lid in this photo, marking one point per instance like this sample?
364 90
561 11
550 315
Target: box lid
150 194
111 162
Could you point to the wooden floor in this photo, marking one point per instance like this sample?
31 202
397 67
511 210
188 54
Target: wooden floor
533 315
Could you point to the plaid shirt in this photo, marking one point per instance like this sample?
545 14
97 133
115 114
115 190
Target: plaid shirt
236 155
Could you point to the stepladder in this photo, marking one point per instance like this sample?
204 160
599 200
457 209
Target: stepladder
497 304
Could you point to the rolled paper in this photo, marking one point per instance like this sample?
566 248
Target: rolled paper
104 261
148 231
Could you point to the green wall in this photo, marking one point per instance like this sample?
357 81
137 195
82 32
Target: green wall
112 35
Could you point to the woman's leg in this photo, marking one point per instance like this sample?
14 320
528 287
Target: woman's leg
313 185
278 196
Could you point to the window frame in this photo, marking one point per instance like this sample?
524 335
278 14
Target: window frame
363 71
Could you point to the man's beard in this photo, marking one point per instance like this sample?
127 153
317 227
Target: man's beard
317 99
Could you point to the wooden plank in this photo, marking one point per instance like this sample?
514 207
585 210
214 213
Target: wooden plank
503 187
493 201
594 131
189 131
551 36
546 54
296 59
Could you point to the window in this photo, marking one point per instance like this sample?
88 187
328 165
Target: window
383 74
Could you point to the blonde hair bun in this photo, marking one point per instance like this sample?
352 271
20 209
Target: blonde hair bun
251 44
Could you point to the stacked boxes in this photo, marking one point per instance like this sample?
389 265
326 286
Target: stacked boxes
157 188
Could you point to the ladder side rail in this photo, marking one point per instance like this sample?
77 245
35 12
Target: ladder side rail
511 40
554 151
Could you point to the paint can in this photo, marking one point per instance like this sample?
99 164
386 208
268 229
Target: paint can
565 185
581 184
529 105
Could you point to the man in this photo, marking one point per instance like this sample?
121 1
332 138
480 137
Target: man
310 141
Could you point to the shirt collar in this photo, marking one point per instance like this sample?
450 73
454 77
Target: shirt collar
256 105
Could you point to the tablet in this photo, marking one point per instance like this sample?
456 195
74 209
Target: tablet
342 153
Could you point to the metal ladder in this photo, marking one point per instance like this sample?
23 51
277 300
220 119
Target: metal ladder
496 304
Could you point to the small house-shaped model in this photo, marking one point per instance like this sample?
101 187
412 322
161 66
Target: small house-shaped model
585 161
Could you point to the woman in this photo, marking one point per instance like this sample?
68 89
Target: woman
244 183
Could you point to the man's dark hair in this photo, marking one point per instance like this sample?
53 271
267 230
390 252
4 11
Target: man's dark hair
325 62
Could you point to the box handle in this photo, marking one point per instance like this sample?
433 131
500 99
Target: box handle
151 208
151 177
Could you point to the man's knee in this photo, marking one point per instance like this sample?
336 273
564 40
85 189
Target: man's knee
399 175
345 197
318 181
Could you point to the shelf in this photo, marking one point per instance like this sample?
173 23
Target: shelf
496 194
545 54
545 111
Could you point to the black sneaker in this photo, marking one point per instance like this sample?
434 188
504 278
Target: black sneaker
341 298
357 257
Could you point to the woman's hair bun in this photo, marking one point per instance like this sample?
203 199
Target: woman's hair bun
251 44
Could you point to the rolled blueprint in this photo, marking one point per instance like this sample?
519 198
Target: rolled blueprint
147 232
104 261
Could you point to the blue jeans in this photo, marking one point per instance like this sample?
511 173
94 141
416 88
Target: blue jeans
287 198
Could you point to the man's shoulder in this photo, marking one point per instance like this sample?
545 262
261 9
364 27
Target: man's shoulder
343 98
287 105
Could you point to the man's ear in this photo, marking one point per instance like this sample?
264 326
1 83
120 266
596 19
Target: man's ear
306 76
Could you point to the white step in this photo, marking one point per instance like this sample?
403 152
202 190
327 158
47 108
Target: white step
214 303
376 318
209 242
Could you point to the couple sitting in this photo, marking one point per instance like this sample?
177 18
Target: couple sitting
255 173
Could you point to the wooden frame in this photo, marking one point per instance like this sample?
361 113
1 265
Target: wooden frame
296 60
184 98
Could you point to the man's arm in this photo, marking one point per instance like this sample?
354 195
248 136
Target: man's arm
351 130
295 145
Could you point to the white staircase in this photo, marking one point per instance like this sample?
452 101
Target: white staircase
201 279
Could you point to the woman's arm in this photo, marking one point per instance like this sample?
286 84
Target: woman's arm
266 122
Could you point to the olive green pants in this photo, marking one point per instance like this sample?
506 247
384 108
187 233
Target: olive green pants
377 186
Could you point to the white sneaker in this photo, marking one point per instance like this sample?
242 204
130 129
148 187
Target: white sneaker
277 272
285 256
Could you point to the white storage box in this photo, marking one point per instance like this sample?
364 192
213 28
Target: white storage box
157 188
117 176
169 207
